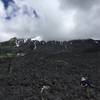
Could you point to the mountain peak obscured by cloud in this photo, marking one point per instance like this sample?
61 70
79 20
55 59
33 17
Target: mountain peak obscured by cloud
50 19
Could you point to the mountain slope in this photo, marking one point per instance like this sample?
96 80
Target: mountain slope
53 63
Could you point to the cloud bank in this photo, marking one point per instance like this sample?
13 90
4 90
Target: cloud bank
50 19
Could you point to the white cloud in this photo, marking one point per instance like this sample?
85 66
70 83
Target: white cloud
58 19
2 12
5 36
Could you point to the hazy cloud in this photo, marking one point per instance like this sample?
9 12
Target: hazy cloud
79 4
50 19
87 18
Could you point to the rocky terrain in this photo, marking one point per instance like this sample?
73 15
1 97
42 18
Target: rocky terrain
59 65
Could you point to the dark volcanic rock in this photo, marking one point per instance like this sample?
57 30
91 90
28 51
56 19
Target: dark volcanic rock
57 64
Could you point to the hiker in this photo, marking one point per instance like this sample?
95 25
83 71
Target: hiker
87 87
85 82
44 92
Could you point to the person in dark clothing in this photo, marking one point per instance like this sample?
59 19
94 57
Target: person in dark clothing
85 82
87 87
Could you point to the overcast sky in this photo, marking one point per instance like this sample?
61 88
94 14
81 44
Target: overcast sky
50 19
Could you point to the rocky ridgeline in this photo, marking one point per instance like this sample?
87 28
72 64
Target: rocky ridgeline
57 64
85 44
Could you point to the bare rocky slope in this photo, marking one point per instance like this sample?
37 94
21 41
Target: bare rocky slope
57 64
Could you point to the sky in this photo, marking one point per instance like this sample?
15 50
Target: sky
50 19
